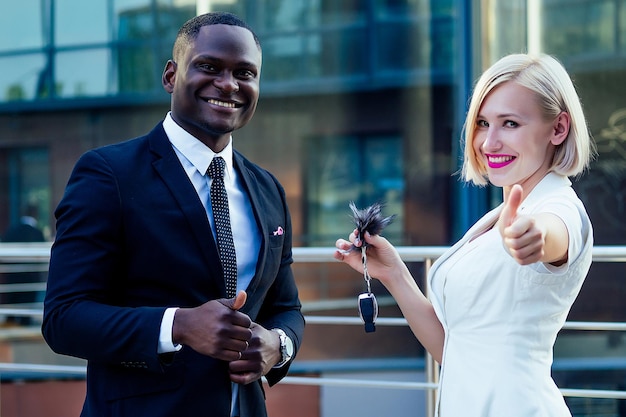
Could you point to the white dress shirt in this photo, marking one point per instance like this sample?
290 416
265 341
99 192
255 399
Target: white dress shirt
195 158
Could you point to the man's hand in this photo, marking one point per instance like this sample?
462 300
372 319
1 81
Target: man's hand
216 328
262 354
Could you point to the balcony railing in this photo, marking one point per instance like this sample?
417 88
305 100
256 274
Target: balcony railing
35 256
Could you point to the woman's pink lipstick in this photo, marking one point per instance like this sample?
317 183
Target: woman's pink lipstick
499 161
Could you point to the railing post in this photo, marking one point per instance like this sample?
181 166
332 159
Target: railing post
432 368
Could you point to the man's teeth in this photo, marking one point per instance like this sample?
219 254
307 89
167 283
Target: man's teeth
221 103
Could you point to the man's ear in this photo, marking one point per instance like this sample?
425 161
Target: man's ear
169 76
561 128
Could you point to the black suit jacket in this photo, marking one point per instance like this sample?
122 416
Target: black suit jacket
133 239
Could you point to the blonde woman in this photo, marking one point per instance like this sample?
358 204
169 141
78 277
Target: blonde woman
502 293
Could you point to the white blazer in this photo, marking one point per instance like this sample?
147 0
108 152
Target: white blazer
501 318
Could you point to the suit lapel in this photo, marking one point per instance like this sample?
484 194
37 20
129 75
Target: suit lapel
167 165
250 184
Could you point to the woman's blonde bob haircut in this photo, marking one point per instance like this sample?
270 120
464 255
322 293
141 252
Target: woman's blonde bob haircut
547 78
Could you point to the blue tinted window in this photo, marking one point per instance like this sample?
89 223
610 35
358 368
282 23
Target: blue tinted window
362 169
23 77
84 73
21 26
79 22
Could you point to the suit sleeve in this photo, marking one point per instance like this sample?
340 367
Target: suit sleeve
83 316
281 306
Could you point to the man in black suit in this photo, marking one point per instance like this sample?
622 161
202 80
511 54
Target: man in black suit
136 285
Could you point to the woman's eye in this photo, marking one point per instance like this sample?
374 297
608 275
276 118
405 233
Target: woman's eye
510 123
482 123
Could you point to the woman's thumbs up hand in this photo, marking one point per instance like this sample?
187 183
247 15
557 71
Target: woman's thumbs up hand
521 237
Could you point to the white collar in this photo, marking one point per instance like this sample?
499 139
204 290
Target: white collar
545 187
198 154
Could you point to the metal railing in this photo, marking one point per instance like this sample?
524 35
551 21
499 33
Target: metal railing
14 256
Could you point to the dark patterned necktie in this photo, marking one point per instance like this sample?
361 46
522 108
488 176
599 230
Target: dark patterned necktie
219 205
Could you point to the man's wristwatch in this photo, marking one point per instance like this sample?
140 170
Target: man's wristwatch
286 348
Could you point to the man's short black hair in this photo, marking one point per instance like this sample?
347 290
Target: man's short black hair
190 29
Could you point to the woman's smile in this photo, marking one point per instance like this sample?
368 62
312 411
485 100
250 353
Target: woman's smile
499 161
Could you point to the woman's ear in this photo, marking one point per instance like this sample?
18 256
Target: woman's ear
561 128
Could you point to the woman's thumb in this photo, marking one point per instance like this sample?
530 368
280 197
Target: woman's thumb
512 203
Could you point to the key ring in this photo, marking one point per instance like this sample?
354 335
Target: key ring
366 275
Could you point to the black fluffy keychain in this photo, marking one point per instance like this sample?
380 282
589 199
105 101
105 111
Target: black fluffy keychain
372 221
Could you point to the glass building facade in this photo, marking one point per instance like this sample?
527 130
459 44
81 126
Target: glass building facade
361 100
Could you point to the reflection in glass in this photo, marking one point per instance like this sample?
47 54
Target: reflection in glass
136 69
20 25
80 22
284 57
403 46
170 18
586 27
285 15
311 56
29 170
237 7
343 12
352 168
85 73
505 28
23 77
344 53
280 15
123 6
136 23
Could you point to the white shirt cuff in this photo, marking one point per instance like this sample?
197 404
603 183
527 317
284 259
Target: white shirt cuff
165 337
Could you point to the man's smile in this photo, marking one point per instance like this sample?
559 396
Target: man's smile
229 105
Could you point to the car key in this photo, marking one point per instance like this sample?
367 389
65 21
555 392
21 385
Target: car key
368 310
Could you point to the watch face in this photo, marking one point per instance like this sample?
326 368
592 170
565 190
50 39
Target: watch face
289 347
286 346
